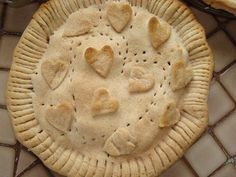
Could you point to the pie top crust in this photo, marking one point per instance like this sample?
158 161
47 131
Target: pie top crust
228 5
110 88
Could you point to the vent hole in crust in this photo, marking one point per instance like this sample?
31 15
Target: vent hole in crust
128 124
140 118
103 136
144 60
144 52
131 26
169 63
155 62
93 139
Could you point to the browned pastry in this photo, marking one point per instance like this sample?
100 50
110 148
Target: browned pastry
110 88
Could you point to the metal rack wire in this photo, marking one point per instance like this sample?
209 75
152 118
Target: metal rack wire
221 25
208 9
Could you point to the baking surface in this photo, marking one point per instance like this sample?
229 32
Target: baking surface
214 154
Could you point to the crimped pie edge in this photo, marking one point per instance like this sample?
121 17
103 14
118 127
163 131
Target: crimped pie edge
70 162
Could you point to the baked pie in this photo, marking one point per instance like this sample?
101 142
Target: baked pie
228 5
109 88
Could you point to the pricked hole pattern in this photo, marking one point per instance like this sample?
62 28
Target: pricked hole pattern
140 117
128 124
131 26
79 44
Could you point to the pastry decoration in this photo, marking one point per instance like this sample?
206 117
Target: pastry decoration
121 142
103 103
60 116
119 15
170 115
181 75
140 80
76 26
101 60
159 32
54 72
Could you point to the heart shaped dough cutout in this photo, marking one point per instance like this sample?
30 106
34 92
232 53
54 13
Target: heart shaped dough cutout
159 32
170 115
100 61
140 80
54 72
61 116
119 15
181 75
103 103
121 142
76 26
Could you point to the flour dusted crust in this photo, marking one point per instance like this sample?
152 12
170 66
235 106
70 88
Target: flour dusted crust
95 92
228 5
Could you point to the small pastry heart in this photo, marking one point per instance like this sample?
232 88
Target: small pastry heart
76 26
100 61
121 142
170 115
140 80
54 72
180 75
119 15
60 117
103 103
159 32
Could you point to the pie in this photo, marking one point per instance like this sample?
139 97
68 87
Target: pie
110 88
228 5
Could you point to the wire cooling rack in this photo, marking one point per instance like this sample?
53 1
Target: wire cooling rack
206 8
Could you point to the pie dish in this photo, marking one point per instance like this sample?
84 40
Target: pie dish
110 88
228 5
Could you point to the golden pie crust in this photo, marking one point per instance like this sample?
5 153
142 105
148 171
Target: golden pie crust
108 88
228 5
